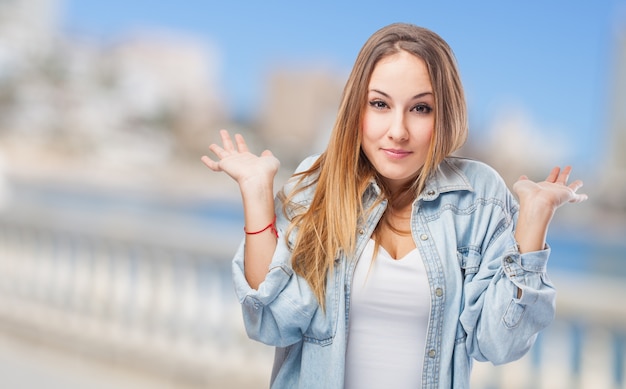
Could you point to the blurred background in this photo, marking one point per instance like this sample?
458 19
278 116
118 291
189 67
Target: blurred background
115 240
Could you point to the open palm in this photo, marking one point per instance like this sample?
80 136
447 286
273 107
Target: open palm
553 192
238 162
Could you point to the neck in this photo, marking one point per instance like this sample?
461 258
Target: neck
398 218
401 202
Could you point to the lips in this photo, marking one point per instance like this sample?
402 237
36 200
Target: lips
396 153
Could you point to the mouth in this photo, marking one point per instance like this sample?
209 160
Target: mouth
396 153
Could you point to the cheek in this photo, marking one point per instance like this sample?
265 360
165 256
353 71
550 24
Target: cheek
428 134
373 128
368 137
423 130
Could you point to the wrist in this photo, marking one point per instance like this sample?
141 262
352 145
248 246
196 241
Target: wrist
532 226
271 227
256 186
536 213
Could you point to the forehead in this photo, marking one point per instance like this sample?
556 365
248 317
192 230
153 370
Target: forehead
401 68
400 53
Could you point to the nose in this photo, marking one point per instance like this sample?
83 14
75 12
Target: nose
397 128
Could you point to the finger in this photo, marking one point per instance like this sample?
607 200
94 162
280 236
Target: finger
266 153
241 143
522 177
211 164
226 141
554 174
576 185
564 175
579 197
217 150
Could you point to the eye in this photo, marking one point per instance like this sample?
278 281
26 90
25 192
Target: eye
378 104
423 109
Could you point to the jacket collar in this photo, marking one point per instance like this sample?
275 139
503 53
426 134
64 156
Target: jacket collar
447 177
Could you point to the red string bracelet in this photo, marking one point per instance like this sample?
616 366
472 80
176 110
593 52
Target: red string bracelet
271 226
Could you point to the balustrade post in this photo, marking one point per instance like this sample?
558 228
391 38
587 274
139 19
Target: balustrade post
576 340
619 342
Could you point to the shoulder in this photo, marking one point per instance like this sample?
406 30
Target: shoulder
477 175
474 187
307 163
300 183
472 167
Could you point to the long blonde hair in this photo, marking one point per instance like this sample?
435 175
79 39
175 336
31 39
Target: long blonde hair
343 172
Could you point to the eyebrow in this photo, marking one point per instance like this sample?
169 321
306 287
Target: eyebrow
417 96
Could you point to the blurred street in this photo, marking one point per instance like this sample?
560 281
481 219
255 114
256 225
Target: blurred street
27 364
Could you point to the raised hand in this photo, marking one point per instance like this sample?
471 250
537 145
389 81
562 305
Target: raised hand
538 203
255 176
239 163
551 193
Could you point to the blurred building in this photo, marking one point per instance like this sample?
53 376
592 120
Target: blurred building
164 90
27 27
614 172
298 112
514 145
140 100
28 41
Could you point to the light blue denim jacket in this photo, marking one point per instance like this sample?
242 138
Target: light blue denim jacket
463 225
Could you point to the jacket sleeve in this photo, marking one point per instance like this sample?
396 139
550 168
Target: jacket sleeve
501 327
281 309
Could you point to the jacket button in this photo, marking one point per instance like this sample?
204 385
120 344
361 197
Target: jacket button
361 231
432 353
439 292
424 237
508 260
431 193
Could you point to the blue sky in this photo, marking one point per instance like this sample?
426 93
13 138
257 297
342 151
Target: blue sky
552 59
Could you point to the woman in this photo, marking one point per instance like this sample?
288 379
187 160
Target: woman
388 262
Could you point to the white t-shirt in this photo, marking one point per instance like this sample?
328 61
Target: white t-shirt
389 309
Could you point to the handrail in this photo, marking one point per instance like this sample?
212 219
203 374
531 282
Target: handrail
145 295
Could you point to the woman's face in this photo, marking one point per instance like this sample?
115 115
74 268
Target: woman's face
399 118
